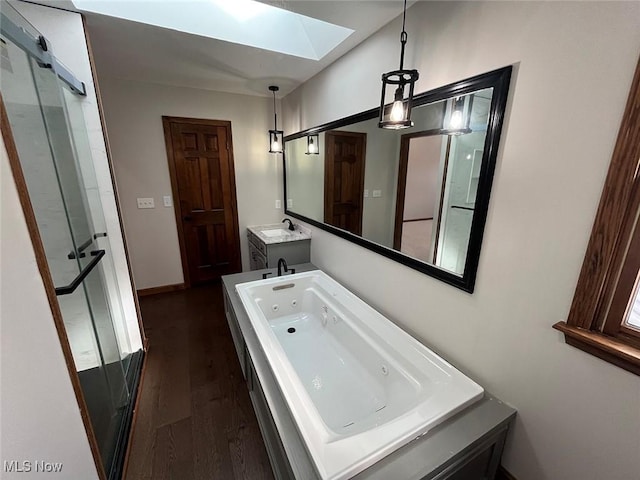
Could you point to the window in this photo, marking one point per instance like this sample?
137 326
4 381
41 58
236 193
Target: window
604 319
633 317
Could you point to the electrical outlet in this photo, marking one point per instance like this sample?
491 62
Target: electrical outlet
377 193
167 201
366 193
289 202
278 204
146 203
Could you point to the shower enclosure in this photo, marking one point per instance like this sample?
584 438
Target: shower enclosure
44 105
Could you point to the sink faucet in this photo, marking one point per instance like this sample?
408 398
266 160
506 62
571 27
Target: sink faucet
291 226
283 263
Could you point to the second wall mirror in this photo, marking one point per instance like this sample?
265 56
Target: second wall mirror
418 195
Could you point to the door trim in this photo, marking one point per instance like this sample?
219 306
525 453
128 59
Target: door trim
166 124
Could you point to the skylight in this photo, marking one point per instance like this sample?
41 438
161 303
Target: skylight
242 10
244 22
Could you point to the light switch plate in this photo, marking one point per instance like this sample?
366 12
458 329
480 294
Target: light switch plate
278 204
377 193
146 203
167 201
289 202
366 193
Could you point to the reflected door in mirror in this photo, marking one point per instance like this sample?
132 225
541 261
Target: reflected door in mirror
344 179
419 202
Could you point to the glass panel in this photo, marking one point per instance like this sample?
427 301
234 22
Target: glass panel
633 315
21 101
38 118
53 114
106 400
85 166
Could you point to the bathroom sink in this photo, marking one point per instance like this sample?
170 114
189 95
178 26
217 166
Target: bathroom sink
278 232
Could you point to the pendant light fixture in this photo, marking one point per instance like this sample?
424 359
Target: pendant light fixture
399 116
457 122
313 144
275 136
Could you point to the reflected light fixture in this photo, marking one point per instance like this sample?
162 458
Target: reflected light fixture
455 122
313 144
275 135
458 123
401 79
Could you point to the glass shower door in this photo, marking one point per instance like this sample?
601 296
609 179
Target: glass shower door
76 121
39 118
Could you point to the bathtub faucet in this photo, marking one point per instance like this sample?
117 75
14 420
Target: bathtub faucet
283 263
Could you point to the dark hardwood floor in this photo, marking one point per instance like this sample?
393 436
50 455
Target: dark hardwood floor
194 419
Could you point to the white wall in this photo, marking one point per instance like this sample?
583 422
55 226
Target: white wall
39 414
578 416
65 32
134 121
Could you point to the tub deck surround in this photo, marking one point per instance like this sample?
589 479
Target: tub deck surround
357 386
300 233
467 445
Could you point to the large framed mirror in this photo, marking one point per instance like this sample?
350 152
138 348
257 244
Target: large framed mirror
418 195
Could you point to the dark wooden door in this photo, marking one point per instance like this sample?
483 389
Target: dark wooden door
344 179
203 182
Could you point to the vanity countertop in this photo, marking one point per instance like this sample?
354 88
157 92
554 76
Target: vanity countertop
300 233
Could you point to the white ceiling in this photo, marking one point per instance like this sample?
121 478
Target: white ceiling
245 22
136 51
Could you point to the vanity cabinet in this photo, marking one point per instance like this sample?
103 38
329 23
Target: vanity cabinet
467 446
257 259
265 255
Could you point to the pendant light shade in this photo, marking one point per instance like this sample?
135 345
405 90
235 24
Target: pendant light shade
276 142
402 82
313 144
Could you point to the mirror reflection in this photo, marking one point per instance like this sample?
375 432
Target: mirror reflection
411 190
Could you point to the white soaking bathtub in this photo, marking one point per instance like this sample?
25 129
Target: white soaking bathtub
357 386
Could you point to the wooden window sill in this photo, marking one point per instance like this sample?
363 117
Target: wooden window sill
602 346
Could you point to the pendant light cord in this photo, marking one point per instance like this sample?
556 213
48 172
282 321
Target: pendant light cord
275 115
403 35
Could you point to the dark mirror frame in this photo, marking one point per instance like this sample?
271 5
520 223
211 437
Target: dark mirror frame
498 80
